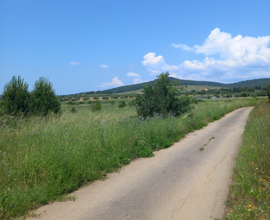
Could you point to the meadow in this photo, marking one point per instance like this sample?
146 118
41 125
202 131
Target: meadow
42 159
250 192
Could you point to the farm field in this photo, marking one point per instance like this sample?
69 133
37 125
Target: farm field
43 159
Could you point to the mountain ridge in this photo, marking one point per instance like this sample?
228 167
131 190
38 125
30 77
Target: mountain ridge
262 82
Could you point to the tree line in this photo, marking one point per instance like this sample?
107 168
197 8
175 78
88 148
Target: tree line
18 100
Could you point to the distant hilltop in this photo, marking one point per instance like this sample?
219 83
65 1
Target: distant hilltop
247 83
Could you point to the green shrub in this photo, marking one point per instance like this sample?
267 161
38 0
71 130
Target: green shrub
71 103
96 106
161 98
81 103
95 97
15 98
86 98
132 103
105 97
244 94
89 102
112 102
73 110
122 104
43 99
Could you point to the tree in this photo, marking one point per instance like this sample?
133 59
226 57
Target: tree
244 94
161 98
43 99
15 98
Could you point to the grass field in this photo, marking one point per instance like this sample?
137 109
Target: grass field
250 191
42 159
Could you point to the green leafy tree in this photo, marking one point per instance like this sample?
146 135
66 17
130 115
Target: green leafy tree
15 98
43 99
244 94
161 98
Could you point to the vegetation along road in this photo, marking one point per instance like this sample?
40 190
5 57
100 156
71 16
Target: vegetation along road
189 180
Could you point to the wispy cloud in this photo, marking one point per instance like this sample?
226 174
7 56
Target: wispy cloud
227 59
74 63
104 66
133 75
183 46
137 80
115 82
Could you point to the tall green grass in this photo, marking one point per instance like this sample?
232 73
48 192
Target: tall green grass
44 158
250 191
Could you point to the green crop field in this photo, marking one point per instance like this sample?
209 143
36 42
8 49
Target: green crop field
44 158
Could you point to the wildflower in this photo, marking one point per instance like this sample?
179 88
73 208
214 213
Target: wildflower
249 210
250 206
0 151
4 153
105 130
32 130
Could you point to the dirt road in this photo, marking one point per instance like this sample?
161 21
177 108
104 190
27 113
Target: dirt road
180 182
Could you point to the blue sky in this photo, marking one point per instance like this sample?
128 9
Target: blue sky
96 44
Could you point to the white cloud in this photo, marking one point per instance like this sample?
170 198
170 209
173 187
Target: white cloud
133 75
115 82
137 80
175 76
104 66
151 59
183 46
227 59
74 63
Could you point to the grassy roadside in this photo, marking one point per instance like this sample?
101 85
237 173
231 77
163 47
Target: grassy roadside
43 159
250 192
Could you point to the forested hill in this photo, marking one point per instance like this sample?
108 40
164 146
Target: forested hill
248 83
251 83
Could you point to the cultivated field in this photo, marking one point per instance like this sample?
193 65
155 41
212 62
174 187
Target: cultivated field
43 159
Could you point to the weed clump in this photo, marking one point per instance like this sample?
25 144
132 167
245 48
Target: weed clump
122 104
96 106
